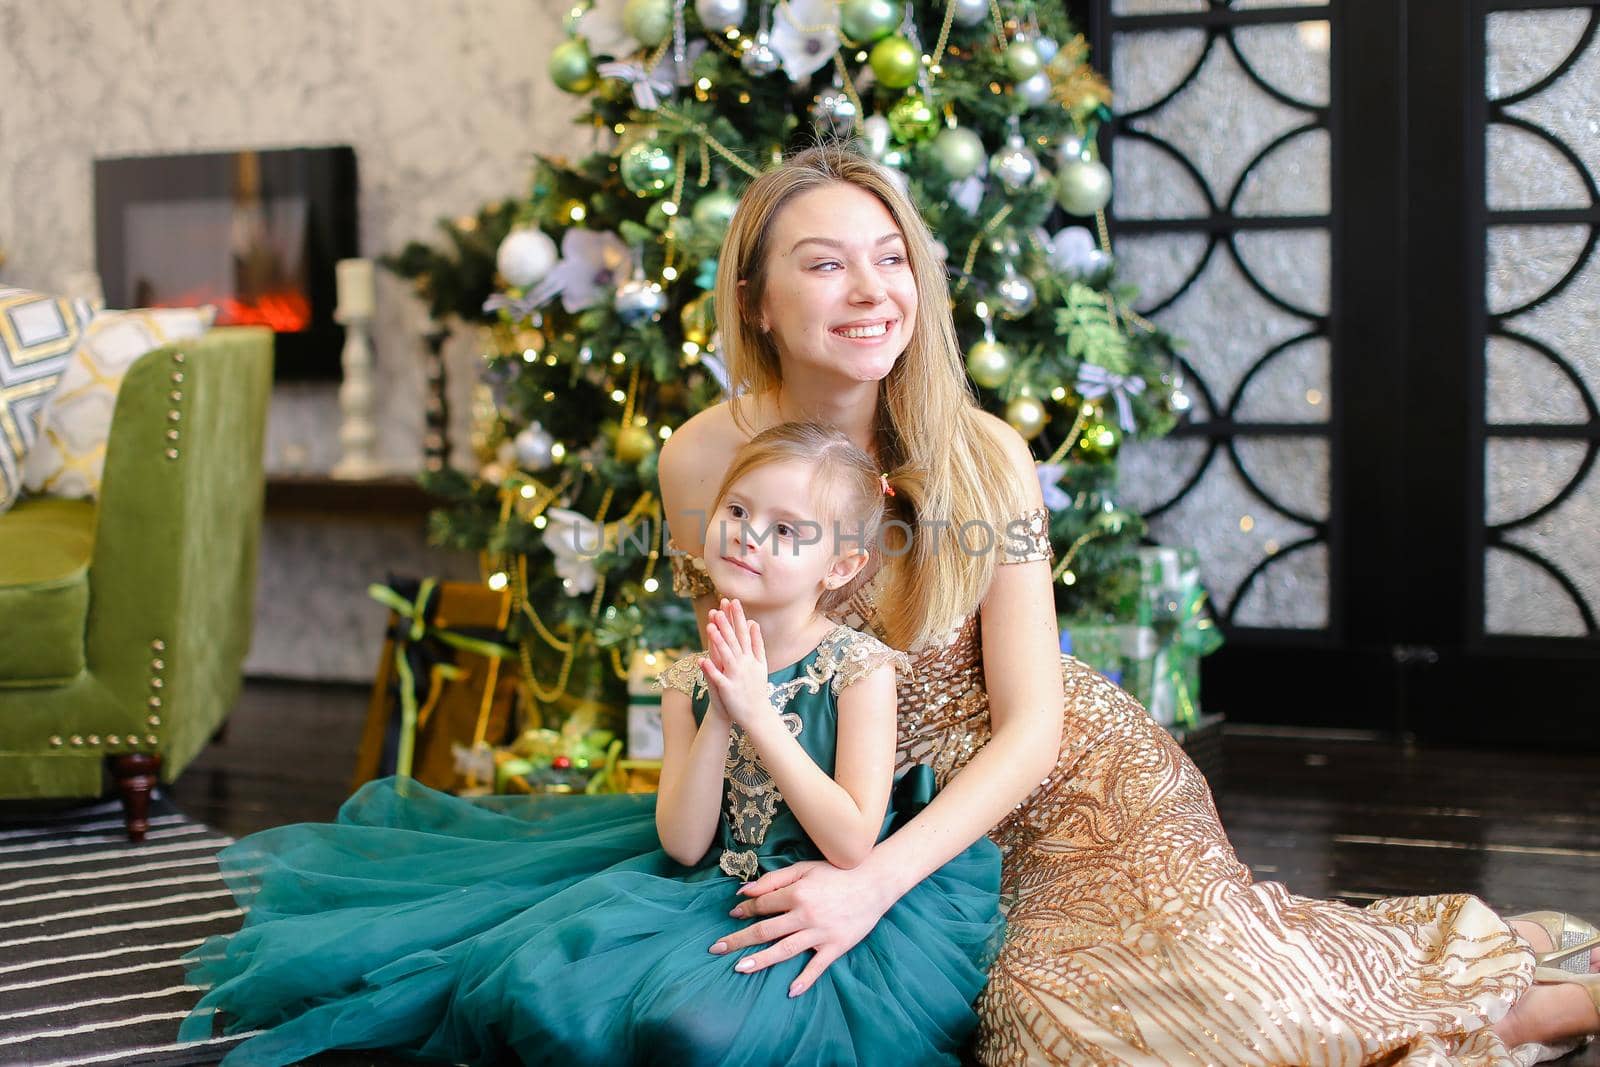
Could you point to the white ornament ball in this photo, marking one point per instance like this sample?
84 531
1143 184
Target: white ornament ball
718 16
525 256
534 447
1084 187
971 12
1035 91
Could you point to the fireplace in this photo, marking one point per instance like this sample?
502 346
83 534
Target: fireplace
257 233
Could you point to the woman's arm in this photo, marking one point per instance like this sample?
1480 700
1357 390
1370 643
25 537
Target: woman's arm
843 814
691 777
815 906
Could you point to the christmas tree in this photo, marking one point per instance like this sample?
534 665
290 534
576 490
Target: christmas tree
601 333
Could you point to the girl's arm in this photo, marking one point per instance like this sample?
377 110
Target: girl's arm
692 765
843 814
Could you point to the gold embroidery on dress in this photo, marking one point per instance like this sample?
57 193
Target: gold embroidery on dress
684 675
689 575
1032 529
1116 868
741 863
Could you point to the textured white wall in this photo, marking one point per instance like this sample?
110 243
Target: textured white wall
443 100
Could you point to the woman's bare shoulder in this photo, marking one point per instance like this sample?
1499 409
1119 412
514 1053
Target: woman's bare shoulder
692 463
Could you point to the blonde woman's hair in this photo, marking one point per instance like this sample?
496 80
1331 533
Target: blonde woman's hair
947 467
848 488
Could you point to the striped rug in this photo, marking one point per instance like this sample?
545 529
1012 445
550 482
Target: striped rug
91 930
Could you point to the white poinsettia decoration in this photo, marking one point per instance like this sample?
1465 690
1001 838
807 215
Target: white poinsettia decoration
575 540
805 35
602 27
1055 498
593 263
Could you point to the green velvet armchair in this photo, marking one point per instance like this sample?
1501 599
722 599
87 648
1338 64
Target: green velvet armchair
124 621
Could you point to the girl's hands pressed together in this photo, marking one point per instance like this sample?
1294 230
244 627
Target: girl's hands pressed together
736 668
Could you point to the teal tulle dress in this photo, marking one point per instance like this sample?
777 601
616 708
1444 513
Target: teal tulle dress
555 929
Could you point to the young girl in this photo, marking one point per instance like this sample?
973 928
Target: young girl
563 930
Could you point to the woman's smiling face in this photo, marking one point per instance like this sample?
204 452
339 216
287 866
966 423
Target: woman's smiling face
840 297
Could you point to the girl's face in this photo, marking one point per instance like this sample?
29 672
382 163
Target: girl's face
840 298
770 546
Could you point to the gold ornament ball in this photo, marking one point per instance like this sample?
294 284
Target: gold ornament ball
1027 416
989 363
571 66
699 319
634 443
895 61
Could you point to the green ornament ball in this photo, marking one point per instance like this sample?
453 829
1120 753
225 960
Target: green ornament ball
1022 60
714 211
959 152
646 168
1083 186
868 20
912 119
989 363
648 21
571 66
1100 438
895 62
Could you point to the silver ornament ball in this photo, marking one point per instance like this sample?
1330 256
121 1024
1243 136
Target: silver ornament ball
525 256
638 299
1046 47
834 112
1015 295
1015 165
534 447
718 16
759 59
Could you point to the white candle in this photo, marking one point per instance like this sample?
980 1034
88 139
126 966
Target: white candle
357 289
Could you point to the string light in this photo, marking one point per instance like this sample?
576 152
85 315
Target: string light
665 432
618 358
651 585
528 492
670 273
539 522
529 355
618 395
497 580
558 451
1246 523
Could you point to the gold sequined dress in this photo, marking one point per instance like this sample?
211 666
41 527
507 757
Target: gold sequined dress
1134 934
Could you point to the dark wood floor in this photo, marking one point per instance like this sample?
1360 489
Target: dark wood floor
1350 817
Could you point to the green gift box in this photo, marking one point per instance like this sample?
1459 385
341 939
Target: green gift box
1172 603
1122 651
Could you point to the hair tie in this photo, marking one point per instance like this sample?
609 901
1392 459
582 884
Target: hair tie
883 481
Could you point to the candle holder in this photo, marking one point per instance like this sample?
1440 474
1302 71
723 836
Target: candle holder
358 434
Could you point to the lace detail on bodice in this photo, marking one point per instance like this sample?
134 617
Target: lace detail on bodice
1031 528
689 575
684 675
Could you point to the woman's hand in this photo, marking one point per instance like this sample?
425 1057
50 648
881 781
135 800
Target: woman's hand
810 905
736 669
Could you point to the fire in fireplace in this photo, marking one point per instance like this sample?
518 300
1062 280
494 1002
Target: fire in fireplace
257 233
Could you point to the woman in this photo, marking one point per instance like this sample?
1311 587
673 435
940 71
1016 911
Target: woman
1134 935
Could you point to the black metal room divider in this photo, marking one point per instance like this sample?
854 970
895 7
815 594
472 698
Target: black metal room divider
1375 224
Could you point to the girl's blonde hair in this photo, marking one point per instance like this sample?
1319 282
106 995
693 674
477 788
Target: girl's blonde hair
946 465
847 487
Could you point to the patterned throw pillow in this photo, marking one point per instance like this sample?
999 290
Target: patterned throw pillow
75 423
37 336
